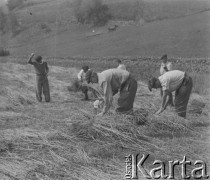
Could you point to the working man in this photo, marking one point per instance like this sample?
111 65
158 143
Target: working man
81 77
42 84
177 81
81 74
121 65
165 67
111 81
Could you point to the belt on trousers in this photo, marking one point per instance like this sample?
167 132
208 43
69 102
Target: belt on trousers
185 79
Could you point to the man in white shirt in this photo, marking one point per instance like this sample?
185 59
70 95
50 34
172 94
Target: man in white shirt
111 81
81 74
81 77
121 65
170 81
165 65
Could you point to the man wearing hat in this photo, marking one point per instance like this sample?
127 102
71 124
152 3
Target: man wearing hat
41 70
170 81
111 81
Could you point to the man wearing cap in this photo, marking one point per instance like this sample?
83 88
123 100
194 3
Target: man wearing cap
42 84
111 81
170 81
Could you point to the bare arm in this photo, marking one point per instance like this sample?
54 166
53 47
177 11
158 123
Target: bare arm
30 59
165 100
47 68
79 75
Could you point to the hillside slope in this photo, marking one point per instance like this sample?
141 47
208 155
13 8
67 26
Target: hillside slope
65 140
182 37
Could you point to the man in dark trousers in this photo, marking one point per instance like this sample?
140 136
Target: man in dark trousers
171 81
42 84
111 81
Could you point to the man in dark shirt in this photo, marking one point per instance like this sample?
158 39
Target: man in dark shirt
42 84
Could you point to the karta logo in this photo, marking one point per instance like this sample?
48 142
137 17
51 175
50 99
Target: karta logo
134 166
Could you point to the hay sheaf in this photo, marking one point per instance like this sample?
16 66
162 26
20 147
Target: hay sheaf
196 104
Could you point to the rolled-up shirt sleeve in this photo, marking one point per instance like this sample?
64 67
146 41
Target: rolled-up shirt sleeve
164 84
79 75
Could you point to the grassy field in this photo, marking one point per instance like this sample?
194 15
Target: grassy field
65 140
51 30
152 39
152 10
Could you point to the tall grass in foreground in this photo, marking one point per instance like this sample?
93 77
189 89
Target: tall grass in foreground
201 83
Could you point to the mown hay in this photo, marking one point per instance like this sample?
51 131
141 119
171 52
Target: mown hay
65 140
74 85
196 104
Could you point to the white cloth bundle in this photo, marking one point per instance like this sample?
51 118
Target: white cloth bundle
98 104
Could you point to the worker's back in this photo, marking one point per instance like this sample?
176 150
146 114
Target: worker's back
114 77
40 68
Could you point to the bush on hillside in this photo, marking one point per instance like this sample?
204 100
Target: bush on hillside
4 52
9 21
3 21
12 4
126 10
91 12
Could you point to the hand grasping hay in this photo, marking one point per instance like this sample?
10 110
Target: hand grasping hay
76 86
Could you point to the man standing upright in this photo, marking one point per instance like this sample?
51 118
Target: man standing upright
42 84
165 67
111 81
81 77
170 81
